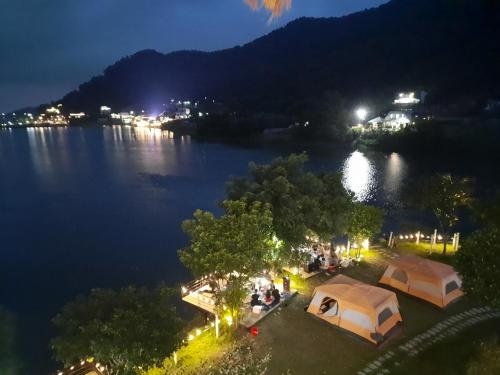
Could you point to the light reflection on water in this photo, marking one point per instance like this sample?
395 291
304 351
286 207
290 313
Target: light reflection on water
395 174
359 176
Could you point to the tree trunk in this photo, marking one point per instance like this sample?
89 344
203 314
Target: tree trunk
445 242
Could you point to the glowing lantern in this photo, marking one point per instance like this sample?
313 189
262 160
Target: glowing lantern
254 331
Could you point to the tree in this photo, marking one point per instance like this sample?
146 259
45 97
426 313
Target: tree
9 363
487 361
125 329
230 249
364 222
302 203
478 262
444 195
326 117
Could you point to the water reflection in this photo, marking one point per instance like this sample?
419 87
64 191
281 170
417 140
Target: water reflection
394 176
148 150
359 176
49 154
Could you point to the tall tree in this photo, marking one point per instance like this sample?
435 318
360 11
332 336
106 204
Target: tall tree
302 203
364 222
126 329
444 195
229 249
478 262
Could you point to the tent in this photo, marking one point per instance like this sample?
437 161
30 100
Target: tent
363 309
432 281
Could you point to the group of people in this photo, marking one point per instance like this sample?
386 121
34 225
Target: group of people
270 298
322 258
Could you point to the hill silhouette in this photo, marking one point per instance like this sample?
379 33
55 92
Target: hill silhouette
449 48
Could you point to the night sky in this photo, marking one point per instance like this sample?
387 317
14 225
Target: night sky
48 47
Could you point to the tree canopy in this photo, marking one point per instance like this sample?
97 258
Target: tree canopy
302 203
238 241
230 249
443 195
364 222
126 329
478 261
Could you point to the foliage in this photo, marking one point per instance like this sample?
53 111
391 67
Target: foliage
488 213
327 118
487 361
233 296
240 360
364 222
478 262
125 329
195 356
444 195
236 242
210 356
229 249
302 203
9 363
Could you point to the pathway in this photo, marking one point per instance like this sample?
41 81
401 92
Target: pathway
441 331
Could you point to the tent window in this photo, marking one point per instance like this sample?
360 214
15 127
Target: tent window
329 306
384 315
451 286
400 276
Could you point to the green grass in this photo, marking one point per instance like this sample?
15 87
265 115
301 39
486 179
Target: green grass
304 344
425 250
451 356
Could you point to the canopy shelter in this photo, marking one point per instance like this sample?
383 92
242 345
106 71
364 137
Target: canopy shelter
363 309
432 281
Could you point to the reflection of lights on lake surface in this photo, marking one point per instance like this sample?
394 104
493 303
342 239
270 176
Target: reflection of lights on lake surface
359 176
395 173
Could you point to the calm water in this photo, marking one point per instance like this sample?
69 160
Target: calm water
101 207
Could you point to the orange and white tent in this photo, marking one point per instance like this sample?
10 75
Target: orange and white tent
432 281
363 309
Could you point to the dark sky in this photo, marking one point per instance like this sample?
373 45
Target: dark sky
48 47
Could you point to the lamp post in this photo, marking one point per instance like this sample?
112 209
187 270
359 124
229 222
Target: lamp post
361 114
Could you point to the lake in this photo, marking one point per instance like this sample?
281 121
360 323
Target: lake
82 208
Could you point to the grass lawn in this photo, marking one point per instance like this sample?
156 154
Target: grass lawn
424 249
451 356
304 344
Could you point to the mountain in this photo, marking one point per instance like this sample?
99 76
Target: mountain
450 48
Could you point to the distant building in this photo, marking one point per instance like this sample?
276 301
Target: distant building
105 110
407 98
376 123
396 120
77 116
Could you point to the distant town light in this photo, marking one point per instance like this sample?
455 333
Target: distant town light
406 98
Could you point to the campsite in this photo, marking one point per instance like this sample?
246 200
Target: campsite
299 340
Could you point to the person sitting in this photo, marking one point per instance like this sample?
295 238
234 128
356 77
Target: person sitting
268 298
255 299
276 297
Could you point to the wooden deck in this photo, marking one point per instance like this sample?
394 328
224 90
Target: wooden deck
201 301
250 319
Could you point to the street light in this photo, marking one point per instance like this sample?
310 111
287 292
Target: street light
361 114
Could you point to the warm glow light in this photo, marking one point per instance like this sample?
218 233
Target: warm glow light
276 7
